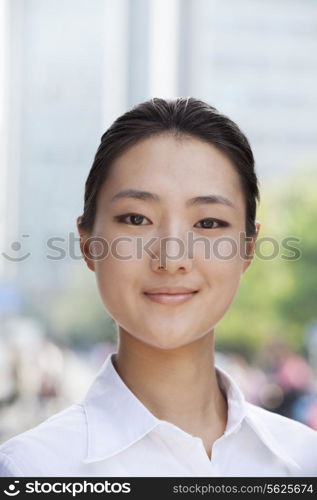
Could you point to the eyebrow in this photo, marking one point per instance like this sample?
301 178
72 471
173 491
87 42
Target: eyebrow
197 200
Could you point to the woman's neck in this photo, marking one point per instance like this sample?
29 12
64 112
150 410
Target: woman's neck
177 385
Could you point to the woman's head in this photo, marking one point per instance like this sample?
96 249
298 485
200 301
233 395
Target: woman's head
172 185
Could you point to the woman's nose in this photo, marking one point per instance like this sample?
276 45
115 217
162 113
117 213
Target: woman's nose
171 254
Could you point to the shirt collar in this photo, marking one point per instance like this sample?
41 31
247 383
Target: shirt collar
109 404
259 426
239 410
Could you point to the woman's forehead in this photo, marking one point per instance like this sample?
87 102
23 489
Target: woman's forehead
168 151
161 164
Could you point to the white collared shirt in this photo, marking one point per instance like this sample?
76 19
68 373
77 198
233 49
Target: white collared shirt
111 433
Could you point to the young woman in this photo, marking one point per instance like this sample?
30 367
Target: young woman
168 228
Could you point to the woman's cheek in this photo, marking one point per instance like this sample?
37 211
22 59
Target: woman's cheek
225 249
122 249
109 281
225 270
117 274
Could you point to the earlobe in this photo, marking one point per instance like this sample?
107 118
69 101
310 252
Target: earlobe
247 262
257 227
251 246
90 265
84 245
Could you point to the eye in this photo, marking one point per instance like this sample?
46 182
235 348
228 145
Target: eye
211 223
137 218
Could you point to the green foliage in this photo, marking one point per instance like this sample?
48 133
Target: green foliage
278 297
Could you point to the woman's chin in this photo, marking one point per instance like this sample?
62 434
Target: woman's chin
167 341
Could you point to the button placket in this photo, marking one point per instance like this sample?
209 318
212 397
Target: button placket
199 460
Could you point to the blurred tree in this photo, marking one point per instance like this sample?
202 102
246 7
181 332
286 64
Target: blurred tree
299 302
277 296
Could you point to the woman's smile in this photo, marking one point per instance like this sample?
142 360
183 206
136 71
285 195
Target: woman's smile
170 298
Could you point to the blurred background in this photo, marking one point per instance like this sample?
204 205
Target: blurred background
68 68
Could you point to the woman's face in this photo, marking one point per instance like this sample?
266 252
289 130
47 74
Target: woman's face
195 241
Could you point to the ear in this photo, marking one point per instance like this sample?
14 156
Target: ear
84 245
250 246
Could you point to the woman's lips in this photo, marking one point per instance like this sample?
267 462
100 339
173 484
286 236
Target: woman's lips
170 298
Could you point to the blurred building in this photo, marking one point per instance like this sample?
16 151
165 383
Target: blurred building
56 88
256 61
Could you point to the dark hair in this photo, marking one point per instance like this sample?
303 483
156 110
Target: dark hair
180 117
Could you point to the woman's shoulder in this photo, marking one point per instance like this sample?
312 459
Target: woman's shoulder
293 439
32 451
